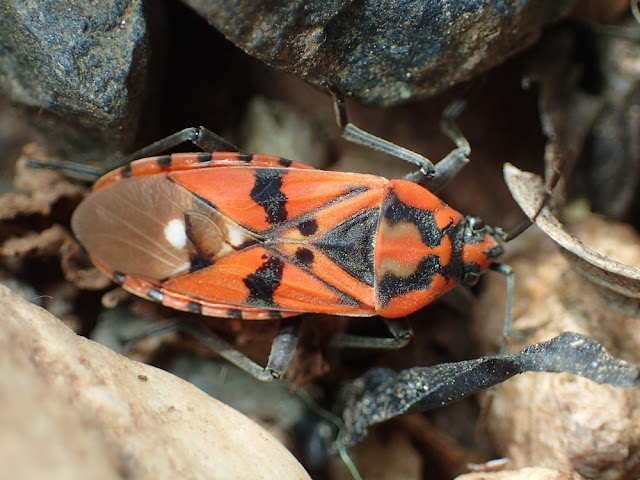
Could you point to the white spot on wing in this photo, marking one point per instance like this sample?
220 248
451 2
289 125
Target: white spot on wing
175 234
236 236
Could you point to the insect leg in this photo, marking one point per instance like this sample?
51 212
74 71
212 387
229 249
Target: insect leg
449 166
553 178
400 337
199 136
282 351
283 348
435 176
357 135
78 171
508 315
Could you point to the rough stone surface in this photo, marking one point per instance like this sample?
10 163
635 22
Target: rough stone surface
82 62
382 52
75 409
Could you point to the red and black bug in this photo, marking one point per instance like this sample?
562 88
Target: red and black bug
227 234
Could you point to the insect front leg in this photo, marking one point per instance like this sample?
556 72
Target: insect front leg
357 135
432 176
449 166
507 271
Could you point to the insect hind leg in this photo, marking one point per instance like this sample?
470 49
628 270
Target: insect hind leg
201 137
282 350
85 173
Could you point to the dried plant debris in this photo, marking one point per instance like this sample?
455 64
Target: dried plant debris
37 193
382 394
618 282
33 219
612 153
589 111
567 112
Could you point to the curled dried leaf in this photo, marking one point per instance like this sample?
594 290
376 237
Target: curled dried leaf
618 283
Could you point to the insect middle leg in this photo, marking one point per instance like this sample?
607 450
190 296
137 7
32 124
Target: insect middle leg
400 336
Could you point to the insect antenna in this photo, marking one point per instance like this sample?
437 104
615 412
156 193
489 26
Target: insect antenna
552 181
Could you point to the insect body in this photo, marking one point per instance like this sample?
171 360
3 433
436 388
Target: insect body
258 237
226 234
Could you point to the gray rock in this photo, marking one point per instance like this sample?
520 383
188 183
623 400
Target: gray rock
80 62
382 51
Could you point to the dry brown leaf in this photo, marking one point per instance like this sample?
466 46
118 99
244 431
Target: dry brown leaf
619 282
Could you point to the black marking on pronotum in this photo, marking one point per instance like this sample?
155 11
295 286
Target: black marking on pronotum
125 171
395 211
203 157
350 244
164 161
245 157
284 162
155 295
194 307
199 259
392 286
119 277
266 193
263 283
304 256
308 227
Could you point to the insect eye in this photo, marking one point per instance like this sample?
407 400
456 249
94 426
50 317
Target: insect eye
470 278
476 223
